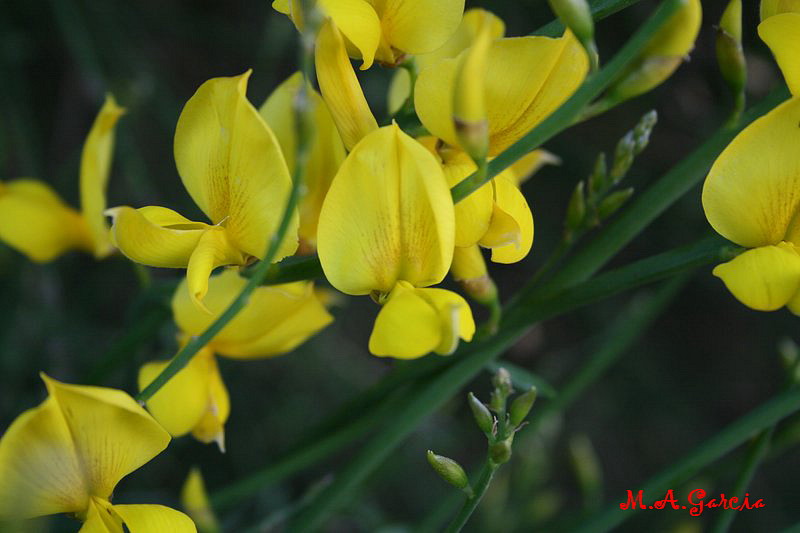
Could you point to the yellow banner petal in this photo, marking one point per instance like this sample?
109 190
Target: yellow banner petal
95 167
510 201
154 519
340 87
155 236
752 193
112 435
764 278
232 165
418 26
775 7
180 404
388 216
782 35
37 223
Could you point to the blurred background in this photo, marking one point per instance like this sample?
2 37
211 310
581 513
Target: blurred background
703 362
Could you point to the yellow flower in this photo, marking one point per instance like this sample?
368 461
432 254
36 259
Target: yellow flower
527 78
385 30
232 166
194 500
68 454
35 221
752 193
326 153
276 320
387 227
775 7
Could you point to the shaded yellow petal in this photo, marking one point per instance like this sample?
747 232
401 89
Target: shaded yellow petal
752 193
100 518
275 319
326 153
155 236
357 21
527 165
418 26
211 426
36 222
388 216
154 519
194 499
95 167
468 264
340 87
775 7
676 37
112 434
414 322
764 278
782 35
282 6
473 213
214 249
399 90
512 204
232 165
527 79
180 404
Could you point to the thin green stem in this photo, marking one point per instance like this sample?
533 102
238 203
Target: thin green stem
302 108
469 506
600 10
570 110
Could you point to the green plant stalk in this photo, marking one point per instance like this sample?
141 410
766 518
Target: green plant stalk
472 358
600 10
767 414
469 506
260 272
570 110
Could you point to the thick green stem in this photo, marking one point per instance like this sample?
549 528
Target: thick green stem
484 480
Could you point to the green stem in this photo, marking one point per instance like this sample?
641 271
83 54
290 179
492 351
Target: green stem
570 110
484 479
600 10
260 272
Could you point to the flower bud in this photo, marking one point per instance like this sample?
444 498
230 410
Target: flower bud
576 209
500 452
469 269
613 202
502 382
449 470
194 499
521 406
597 180
469 98
642 131
483 417
577 16
730 55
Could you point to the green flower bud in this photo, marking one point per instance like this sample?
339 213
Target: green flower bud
449 470
577 16
597 180
576 209
483 417
500 452
642 131
730 55
521 406
613 202
502 381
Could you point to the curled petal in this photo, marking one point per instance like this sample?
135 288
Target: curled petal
418 26
36 222
414 322
781 32
95 167
764 278
357 21
388 216
752 193
153 519
232 165
509 205
214 249
340 87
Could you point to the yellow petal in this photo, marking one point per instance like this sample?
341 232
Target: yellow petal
388 216
357 21
194 499
764 278
414 322
112 434
473 213
326 153
782 35
211 426
418 26
340 87
527 79
180 404
155 236
775 7
214 249
529 164
282 6
752 193
95 167
100 518
510 203
154 519
36 222
676 37
399 90
468 264
232 165
275 319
